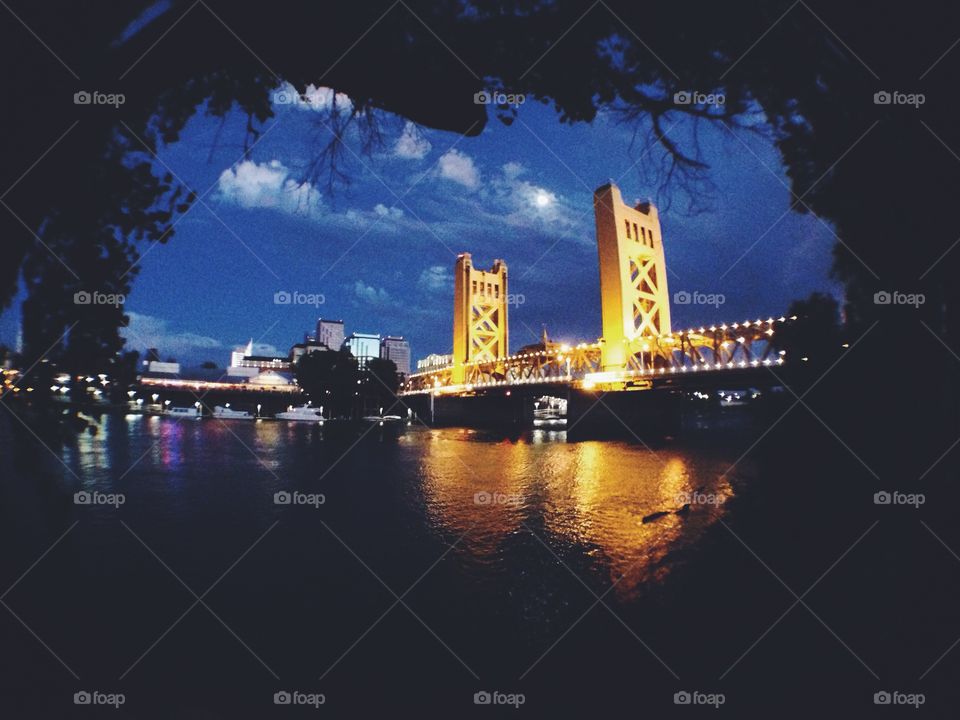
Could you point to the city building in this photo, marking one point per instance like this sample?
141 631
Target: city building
330 333
398 350
244 362
305 348
434 362
240 352
265 362
164 368
363 346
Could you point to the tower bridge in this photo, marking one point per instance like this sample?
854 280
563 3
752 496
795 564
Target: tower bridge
638 348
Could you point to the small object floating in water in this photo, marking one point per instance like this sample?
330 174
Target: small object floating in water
654 516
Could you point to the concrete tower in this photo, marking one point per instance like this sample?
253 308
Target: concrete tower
479 314
634 300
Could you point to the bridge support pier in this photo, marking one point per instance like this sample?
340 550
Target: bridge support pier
651 414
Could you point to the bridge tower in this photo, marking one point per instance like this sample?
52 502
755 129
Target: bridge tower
634 300
479 314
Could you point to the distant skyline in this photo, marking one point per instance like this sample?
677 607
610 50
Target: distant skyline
379 252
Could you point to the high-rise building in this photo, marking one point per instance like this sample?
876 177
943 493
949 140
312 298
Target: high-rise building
363 346
398 350
330 333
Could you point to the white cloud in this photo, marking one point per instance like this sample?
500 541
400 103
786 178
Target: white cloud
370 294
267 185
147 331
411 145
526 204
436 278
457 166
391 212
513 170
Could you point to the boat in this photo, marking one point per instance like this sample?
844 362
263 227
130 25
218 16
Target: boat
227 413
301 413
184 412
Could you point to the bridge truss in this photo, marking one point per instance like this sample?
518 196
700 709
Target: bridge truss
739 345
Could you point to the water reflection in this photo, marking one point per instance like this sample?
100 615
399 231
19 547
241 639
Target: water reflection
613 512
586 499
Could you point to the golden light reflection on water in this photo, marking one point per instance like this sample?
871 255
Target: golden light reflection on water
588 497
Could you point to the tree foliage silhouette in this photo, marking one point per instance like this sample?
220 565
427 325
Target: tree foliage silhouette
884 175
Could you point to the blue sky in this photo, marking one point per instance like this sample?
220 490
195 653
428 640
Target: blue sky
379 252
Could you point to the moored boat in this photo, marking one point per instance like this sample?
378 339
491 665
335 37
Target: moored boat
227 413
303 413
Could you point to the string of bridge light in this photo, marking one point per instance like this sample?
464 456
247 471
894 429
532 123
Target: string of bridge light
671 337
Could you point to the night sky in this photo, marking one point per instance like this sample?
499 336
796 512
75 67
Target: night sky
380 250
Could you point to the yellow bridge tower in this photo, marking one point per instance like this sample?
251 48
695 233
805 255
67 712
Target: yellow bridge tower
635 304
479 315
